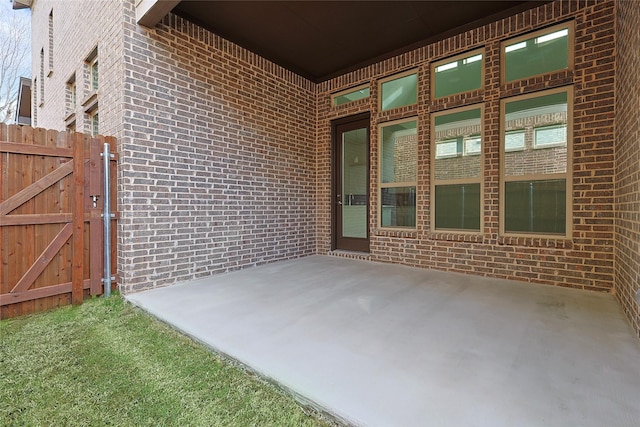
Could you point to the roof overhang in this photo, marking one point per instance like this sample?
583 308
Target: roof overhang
320 40
21 4
150 12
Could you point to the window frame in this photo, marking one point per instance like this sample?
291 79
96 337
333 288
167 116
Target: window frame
396 77
468 54
570 25
348 91
458 181
403 184
567 175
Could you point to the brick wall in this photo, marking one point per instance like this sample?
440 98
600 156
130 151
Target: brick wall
77 30
585 259
627 221
217 166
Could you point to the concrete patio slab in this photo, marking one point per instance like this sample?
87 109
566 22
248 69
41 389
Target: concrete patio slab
386 345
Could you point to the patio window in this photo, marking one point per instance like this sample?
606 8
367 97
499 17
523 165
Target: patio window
536 177
398 176
350 95
399 91
538 53
459 74
457 169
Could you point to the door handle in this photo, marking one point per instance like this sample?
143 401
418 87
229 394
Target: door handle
339 199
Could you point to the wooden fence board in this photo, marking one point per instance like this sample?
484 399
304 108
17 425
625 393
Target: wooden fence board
21 148
47 291
33 219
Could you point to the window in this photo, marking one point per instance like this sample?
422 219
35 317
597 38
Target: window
34 112
51 42
536 178
473 145
447 148
94 75
350 95
71 95
457 169
90 85
94 123
459 74
91 72
514 140
41 77
398 174
550 135
399 91
538 53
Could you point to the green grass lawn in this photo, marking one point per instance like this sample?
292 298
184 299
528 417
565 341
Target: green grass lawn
106 362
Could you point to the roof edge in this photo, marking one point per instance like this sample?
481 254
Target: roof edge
21 4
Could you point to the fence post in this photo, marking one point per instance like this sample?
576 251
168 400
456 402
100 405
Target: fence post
107 220
95 217
77 275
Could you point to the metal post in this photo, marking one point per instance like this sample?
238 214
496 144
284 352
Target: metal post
106 215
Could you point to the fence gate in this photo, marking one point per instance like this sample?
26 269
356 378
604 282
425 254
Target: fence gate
51 218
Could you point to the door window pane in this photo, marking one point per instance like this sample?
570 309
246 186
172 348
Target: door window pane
354 183
536 206
458 75
544 53
458 206
399 92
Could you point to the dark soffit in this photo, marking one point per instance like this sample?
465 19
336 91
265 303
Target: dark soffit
323 39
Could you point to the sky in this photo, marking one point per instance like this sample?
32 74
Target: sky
8 18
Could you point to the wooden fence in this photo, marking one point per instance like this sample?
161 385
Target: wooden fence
51 231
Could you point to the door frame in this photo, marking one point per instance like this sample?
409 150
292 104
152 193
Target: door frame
359 245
